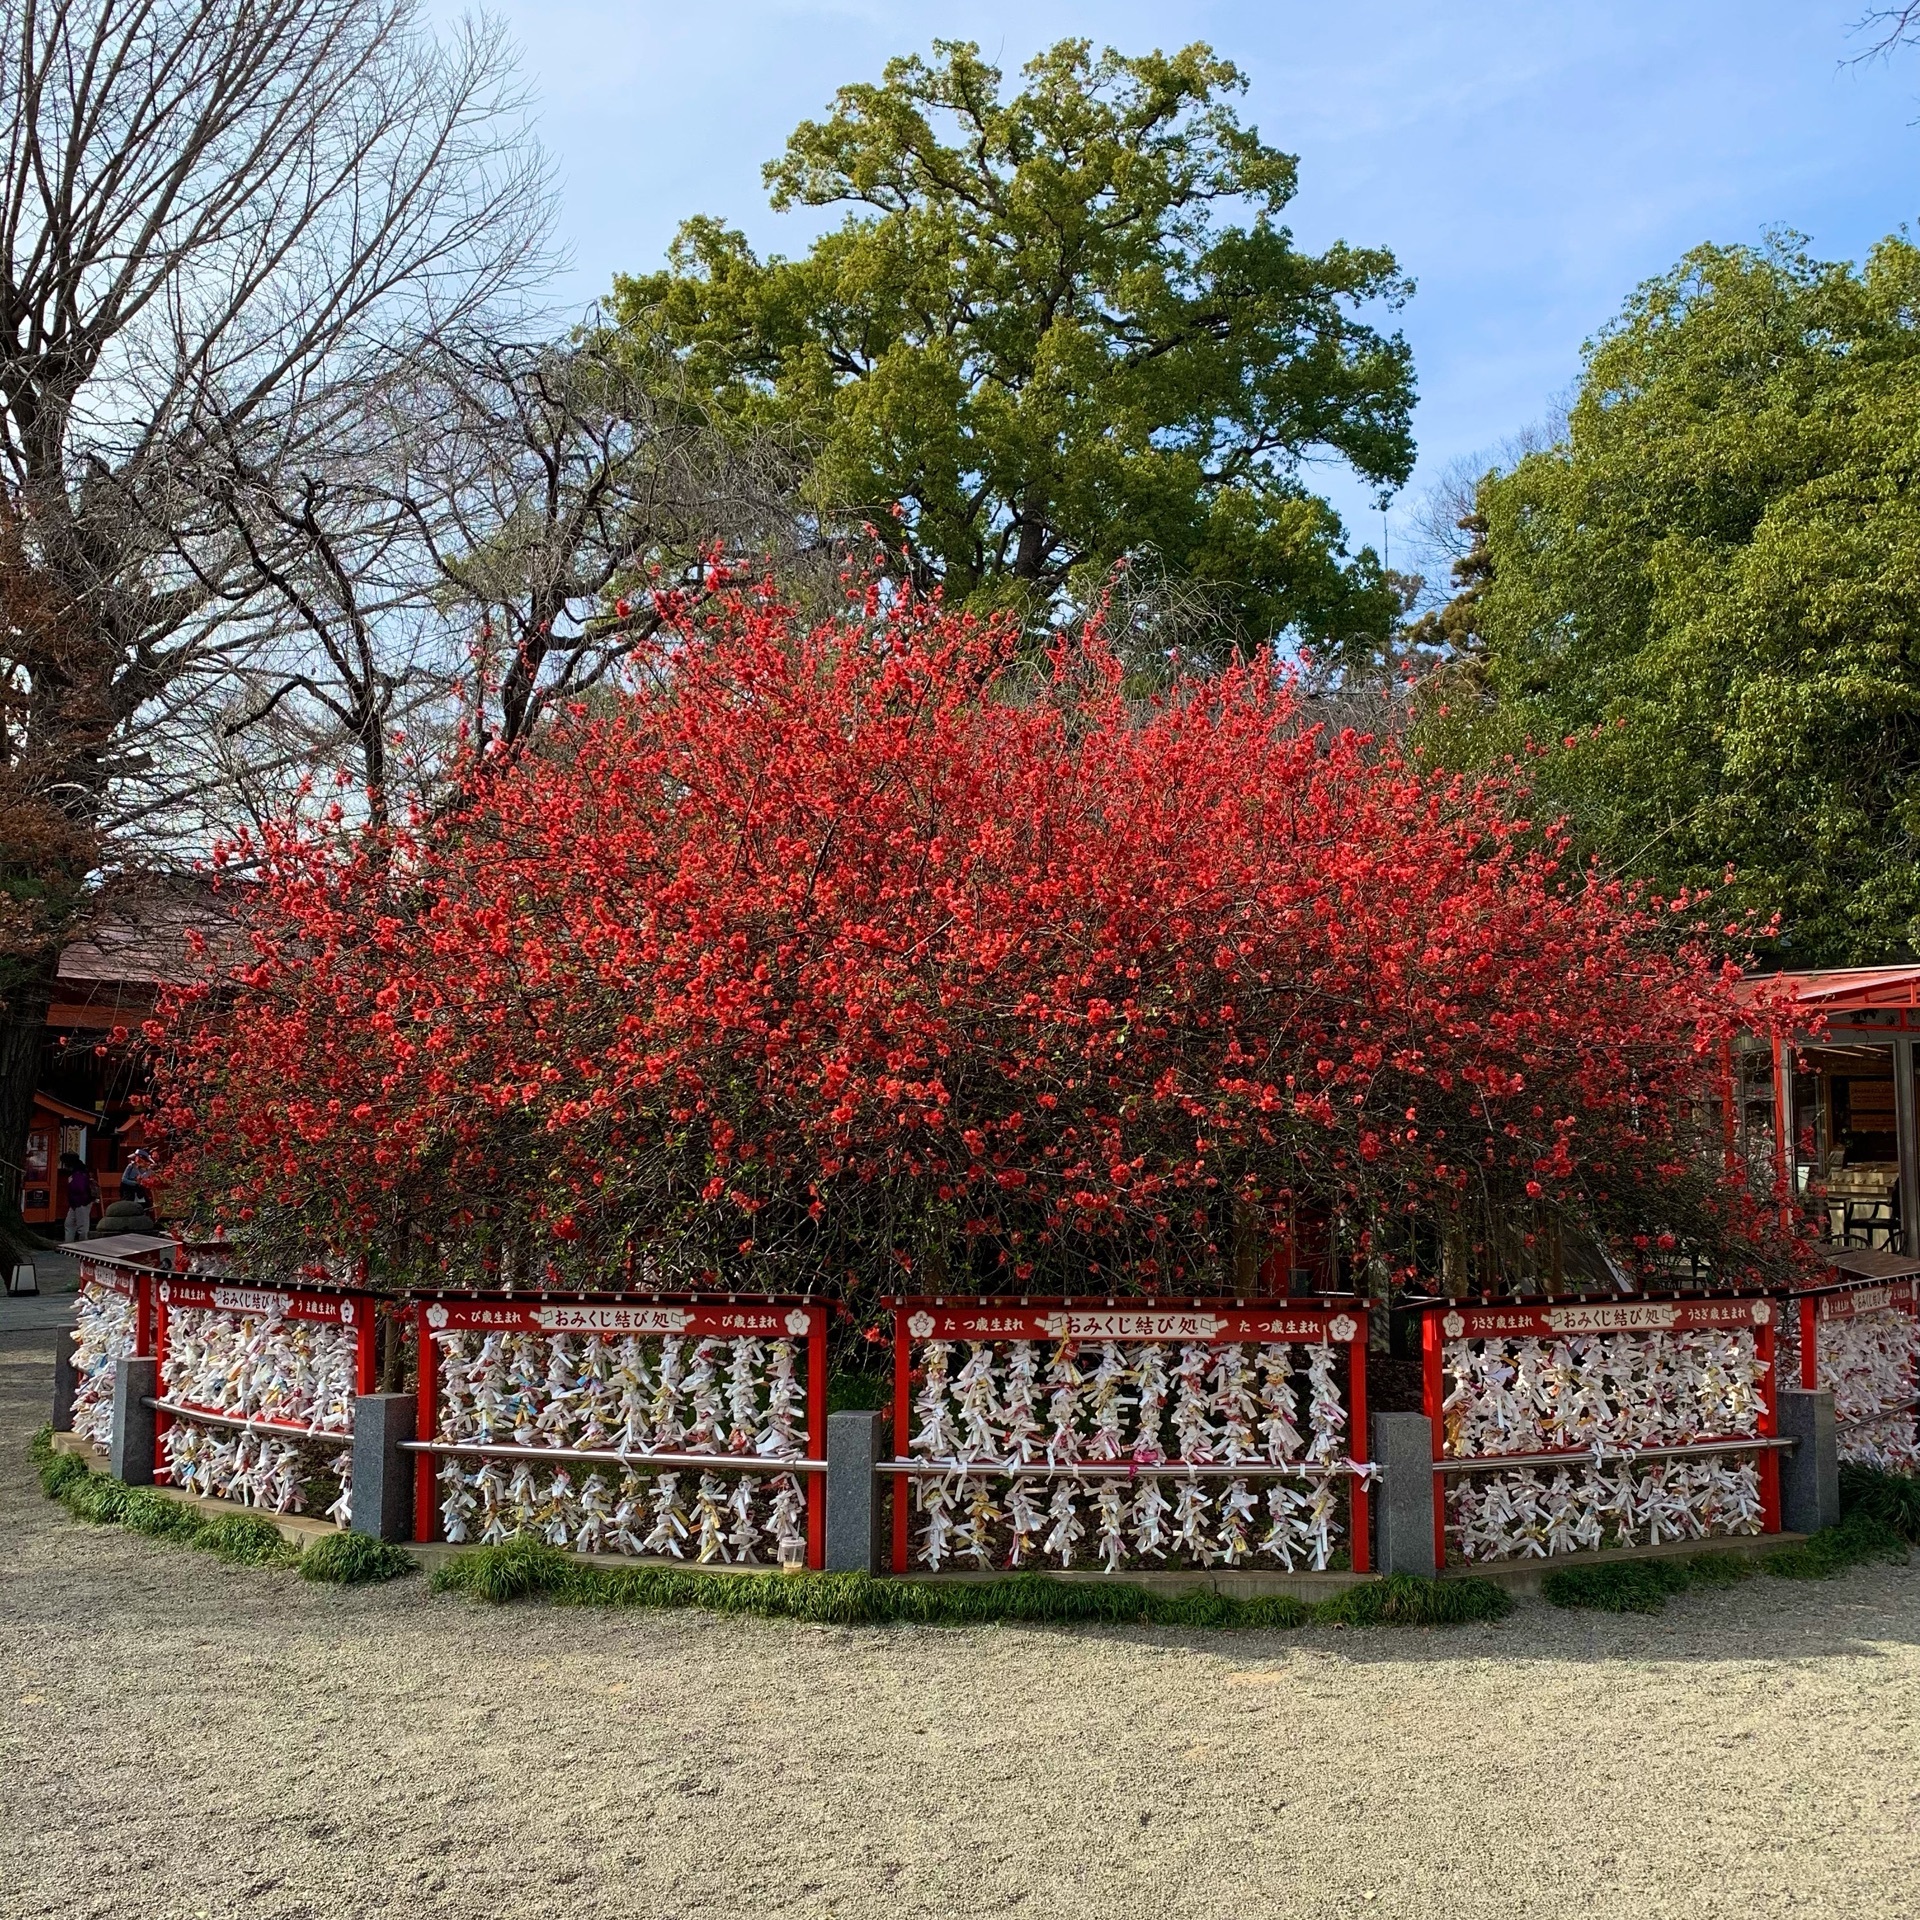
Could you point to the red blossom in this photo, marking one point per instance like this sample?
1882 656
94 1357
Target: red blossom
826 949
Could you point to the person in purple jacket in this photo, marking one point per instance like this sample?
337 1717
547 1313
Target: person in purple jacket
81 1192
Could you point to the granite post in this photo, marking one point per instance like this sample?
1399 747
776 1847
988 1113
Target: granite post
1809 1472
136 1380
382 1468
65 1381
853 1493
1403 1496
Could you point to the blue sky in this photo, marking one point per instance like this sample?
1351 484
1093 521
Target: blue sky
1528 163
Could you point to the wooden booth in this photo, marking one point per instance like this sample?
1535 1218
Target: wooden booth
1835 1111
58 1127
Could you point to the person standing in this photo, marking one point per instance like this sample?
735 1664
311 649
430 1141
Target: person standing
81 1193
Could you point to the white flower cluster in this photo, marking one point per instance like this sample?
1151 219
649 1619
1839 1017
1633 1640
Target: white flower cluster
590 1393
1129 1523
259 1470
103 1330
716 1518
1218 1407
1016 1404
1500 1516
1868 1364
255 1366
1613 1391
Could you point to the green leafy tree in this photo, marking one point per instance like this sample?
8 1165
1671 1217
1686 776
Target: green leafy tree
1705 599
1058 331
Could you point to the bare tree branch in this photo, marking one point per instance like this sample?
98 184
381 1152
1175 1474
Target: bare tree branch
1891 29
224 225
565 480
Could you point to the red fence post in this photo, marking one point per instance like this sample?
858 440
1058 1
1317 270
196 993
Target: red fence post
817 1318
1809 1343
1361 1552
1433 1393
161 1422
1770 1427
366 1334
902 1433
426 1425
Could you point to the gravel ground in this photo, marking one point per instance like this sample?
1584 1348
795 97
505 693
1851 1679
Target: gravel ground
184 1738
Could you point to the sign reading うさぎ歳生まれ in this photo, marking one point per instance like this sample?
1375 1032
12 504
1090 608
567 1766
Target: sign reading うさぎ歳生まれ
1625 1316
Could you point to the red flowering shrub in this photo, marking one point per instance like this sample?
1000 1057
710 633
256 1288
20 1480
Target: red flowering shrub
833 953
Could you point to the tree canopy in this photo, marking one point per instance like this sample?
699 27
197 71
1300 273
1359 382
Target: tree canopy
1709 590
1059 330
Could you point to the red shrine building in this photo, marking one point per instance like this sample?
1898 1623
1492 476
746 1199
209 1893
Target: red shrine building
1836 1111
84 1100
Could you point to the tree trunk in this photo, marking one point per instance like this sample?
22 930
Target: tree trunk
1030 555
23 1027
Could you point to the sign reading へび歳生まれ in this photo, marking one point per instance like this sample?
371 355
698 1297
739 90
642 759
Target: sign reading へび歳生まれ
643 1319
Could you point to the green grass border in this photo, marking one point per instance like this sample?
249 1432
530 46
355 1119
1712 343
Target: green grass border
1891 1498
1880 1523
526 1569
246 1539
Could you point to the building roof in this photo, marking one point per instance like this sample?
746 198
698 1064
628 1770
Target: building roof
143 939
1838 987
1870 1263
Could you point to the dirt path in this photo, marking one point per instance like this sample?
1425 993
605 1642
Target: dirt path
183 1738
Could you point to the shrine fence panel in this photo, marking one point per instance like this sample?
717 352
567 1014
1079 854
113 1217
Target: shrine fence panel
1566 1427
1130 1437
1860 1342
113 1317
662 1426
257 1391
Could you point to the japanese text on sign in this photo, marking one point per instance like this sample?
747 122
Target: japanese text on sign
1847 1306
1622 1316
643 1318
1153 1325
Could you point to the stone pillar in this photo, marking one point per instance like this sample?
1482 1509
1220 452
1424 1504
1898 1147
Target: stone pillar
382 1471
64 1381
1810 1471
136 1380
1403 1495
853 1493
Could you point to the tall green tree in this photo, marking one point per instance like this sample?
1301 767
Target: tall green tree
1059 330
1709 589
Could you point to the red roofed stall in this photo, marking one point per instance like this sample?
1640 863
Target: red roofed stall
1835 1112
